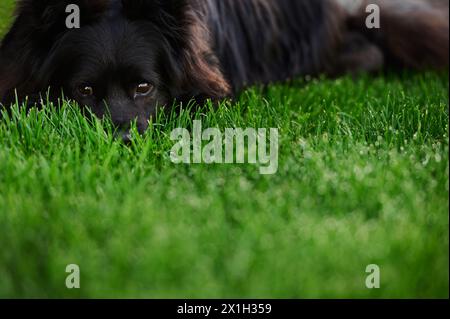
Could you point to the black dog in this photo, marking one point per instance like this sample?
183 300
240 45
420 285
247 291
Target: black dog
131 56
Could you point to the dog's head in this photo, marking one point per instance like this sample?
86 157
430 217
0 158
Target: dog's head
129 57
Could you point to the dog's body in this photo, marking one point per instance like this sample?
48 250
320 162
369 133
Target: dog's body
132 55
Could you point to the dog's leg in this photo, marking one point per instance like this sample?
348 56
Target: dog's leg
412 33
356 55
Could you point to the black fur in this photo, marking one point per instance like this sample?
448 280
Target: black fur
184 49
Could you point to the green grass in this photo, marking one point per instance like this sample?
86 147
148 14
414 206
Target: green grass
6 11
362 179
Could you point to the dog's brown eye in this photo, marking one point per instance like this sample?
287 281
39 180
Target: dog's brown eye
86 90
144 88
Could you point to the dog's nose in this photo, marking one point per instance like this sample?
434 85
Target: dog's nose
124 135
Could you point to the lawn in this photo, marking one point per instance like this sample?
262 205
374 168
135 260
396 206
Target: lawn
6 12
362 179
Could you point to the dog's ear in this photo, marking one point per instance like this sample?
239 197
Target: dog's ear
50 15
190 60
